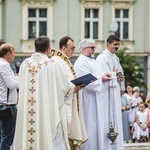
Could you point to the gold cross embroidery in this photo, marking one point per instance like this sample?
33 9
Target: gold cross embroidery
39 66
32 101
31 121
33 71
31 131
32 90
32 81
52 61
28 64
31 140
32 112
46 62
31 148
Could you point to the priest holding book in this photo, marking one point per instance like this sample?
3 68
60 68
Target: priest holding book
76 127
92 96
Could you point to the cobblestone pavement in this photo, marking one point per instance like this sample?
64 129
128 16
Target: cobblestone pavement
137 146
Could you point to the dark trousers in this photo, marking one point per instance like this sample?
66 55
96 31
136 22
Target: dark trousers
0 133
8 125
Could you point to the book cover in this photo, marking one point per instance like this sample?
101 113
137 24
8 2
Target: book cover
86 79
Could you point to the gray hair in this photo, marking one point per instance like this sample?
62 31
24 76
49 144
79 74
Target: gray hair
84 43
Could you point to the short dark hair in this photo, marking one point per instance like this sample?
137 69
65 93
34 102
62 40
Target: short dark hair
41 43
112 38
63 41
129 84
4 49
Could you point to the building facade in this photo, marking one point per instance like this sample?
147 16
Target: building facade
21 21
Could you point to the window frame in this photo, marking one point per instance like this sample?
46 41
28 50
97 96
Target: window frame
91 21
130 8
123 20
90 5
27 44
37 20
37 5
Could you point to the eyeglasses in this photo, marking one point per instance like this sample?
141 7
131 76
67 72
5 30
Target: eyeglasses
92 47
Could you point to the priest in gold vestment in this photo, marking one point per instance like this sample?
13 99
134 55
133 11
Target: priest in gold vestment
41 120
75 122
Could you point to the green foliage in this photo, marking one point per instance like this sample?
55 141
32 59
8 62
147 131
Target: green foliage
132 69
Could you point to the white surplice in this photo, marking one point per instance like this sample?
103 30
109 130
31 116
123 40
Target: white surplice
92 98
41 120
107 62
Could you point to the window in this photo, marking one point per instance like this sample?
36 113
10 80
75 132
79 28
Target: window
122 17
91 23
37 22
37 19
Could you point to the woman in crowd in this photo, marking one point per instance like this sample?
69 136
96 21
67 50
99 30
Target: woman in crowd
125 119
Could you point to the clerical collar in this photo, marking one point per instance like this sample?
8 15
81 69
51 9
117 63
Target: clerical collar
39 54
88 56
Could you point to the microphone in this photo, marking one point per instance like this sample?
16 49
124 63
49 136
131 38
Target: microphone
17 65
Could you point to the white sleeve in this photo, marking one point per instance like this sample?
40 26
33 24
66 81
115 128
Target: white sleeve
81 69
9 78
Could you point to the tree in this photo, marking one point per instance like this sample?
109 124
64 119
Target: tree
132 70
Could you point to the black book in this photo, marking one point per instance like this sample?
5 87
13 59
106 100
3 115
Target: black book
86 79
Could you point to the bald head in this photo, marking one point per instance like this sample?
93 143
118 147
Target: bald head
7 52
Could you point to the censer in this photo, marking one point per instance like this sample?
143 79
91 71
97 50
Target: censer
112 135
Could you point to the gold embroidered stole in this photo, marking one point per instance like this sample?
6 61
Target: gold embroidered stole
55 52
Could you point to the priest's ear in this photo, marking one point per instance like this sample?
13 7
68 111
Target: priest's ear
48 50
108 44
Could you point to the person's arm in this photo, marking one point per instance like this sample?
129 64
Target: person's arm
121 77
106 77
147 122
132 129
9 78
146 125
127 104
147 98
82 68
123 108
72 91
138 122
104 65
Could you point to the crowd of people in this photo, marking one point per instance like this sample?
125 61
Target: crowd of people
51 113
135 115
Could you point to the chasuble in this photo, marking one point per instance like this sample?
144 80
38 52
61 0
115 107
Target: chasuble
76 127
41 120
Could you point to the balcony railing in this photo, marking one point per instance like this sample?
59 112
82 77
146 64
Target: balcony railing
38 0
100 1
122 1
